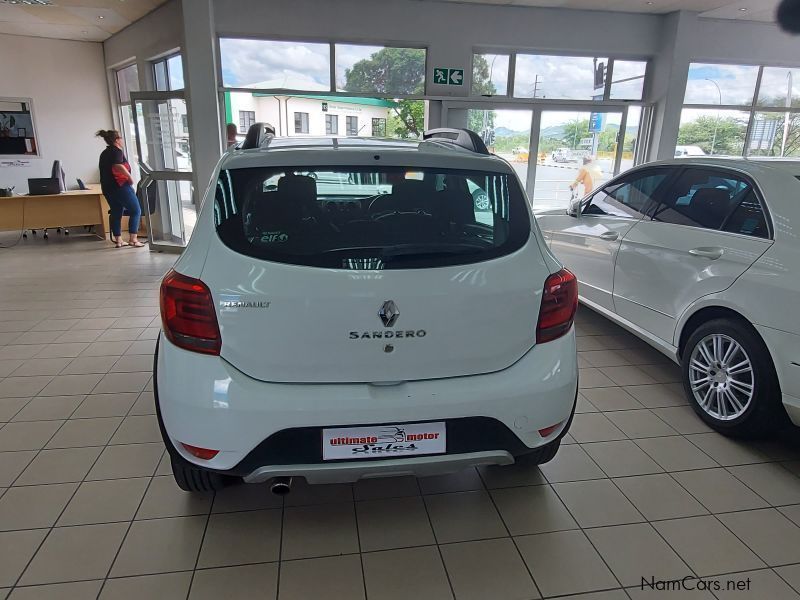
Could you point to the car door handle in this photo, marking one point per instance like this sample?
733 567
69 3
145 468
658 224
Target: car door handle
609 235
709 253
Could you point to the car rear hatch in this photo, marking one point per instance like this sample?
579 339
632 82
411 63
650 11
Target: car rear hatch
344 275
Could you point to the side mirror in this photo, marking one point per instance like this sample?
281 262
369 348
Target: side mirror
574 209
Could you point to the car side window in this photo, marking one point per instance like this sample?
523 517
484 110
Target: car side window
707 197
629 197
748 218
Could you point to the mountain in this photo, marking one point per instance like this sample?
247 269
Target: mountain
506 132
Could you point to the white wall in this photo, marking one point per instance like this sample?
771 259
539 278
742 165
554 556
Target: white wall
67 83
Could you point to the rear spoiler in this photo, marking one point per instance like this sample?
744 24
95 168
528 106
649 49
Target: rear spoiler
464 138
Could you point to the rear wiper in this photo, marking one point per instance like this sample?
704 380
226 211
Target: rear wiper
427 250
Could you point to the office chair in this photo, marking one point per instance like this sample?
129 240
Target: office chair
57 172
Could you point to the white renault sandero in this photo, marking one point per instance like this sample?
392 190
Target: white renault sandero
352 308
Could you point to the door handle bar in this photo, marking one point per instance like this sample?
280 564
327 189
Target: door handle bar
710 253
609 235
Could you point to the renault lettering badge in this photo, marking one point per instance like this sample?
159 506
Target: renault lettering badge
389 313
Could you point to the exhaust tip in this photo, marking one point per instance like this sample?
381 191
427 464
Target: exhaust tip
281 486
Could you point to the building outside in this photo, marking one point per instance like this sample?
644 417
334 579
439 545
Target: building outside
310 115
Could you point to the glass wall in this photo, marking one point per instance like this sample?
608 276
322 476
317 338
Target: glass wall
128 81
168 73
377 91
573 144
490 74
380 70
322 115
735 110
557 77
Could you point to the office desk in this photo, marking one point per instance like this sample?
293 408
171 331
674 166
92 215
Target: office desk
78 207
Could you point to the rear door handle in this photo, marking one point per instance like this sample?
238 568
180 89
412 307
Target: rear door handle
709 253
609 235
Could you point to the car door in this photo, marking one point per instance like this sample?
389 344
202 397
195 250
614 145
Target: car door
707 230
587 242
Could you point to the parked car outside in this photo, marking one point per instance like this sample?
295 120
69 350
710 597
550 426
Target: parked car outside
701 259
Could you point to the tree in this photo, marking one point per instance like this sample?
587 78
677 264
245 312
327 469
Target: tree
481 120
574 132
390 72
407 119
725 134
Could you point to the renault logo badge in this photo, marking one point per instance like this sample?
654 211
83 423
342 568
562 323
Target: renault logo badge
389 313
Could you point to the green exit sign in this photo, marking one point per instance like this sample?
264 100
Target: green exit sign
442 76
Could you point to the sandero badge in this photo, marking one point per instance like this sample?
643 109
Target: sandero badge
389 313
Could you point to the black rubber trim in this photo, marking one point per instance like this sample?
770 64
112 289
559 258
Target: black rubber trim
303 445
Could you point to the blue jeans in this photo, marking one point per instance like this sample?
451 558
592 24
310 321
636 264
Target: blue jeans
124 198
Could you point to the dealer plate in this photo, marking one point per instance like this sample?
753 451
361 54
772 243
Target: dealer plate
376 441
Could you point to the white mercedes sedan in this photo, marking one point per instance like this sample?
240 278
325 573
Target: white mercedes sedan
700 257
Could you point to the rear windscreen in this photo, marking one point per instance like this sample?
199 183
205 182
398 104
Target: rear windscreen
377 218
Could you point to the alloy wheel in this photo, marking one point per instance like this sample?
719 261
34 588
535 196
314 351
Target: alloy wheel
721 377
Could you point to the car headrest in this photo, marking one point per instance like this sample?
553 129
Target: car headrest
458 205
301 190
711 205
409 188
301 187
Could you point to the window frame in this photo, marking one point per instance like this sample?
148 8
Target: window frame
331 124
752 108
332 65
381 121
248 122
304 124
723 171
512 67
351 119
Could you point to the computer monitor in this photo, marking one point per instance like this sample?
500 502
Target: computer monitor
44 186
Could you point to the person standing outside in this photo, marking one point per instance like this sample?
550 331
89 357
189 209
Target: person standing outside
116 183
588 175
230 133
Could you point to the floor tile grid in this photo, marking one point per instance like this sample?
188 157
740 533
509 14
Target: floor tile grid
714 515
613 480
519 551
51 528
607 331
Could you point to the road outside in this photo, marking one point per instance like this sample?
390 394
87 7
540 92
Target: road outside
551 189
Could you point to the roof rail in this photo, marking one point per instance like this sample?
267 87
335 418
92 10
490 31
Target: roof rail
257 135
465 138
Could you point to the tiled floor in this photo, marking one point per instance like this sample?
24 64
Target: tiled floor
88 507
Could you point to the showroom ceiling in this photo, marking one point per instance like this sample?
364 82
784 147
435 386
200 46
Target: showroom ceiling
746 10
96 20
92 20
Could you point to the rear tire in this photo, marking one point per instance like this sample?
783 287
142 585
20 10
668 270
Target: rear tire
192 479
751 407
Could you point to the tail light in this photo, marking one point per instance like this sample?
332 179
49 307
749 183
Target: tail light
201 453
187 314
559 303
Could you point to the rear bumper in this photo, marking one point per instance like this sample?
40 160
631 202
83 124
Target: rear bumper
784 347
422 466
263 430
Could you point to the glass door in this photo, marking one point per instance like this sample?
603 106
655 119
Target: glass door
507 133
577 151
164 160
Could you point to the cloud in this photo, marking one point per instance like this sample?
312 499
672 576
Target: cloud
737 84
559 77
246 62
